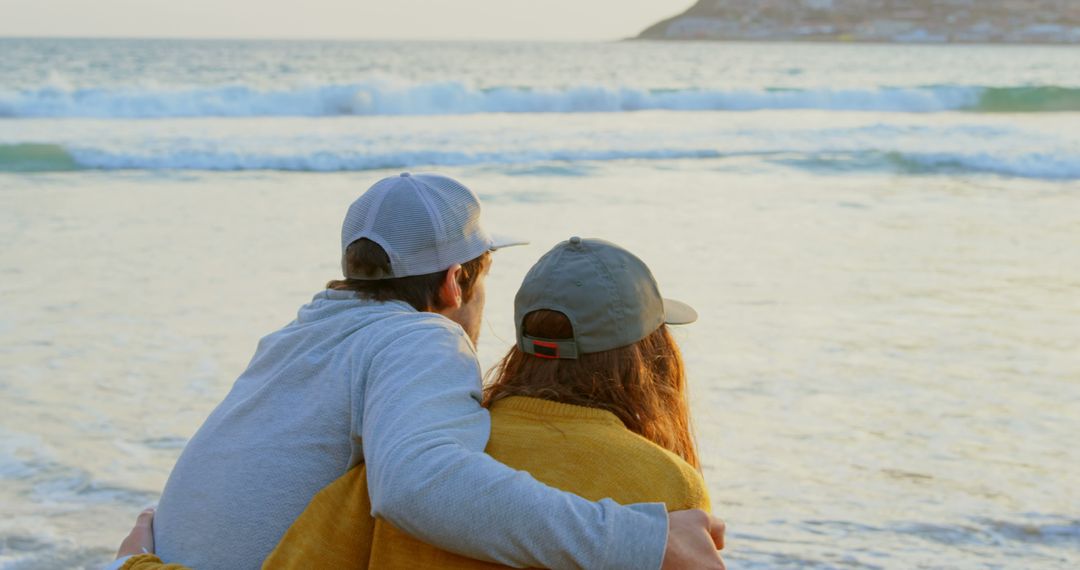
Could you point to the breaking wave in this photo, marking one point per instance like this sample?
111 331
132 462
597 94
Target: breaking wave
455 98
57 158
33 157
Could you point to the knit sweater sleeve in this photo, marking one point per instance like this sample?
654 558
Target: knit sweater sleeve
696 493
423 433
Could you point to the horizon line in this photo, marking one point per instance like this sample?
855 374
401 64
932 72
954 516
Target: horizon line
311 39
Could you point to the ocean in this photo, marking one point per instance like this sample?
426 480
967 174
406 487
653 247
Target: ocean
883 243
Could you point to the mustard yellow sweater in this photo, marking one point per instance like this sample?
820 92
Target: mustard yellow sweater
587 451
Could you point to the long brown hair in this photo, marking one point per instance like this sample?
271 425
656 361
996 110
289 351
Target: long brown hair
643 384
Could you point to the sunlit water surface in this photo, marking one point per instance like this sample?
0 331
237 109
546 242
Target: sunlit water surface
886 373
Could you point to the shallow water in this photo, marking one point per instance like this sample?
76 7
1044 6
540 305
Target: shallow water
886 373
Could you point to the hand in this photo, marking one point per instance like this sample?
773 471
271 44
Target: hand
694 539
141 538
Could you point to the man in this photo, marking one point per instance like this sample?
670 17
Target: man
381 368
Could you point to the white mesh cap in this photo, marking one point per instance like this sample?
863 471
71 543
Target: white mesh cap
425 222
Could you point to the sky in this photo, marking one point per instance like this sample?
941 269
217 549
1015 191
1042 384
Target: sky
344 19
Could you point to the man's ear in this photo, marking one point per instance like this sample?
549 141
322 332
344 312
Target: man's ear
450 290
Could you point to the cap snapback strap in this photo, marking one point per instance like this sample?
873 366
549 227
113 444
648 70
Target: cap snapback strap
549 348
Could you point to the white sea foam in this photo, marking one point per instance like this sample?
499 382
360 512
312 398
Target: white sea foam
386 97
1031 165
329 161
819 142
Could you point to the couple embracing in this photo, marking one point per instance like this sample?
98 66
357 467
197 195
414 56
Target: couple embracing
361 436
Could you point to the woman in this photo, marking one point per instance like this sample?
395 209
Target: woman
592 400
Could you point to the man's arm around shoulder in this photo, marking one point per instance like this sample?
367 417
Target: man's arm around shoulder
424 432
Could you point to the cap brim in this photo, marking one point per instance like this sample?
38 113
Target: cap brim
678 313
499 241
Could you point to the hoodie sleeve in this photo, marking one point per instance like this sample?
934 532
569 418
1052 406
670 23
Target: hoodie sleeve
423 434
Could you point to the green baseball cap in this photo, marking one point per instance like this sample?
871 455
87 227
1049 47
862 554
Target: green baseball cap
607 293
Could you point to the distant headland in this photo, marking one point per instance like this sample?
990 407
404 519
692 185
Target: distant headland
899 21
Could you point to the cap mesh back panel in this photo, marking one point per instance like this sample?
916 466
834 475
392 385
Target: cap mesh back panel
405 224
458 210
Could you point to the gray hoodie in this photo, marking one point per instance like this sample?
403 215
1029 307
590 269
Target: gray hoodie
352 381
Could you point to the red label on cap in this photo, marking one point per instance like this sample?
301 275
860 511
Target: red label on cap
545 349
